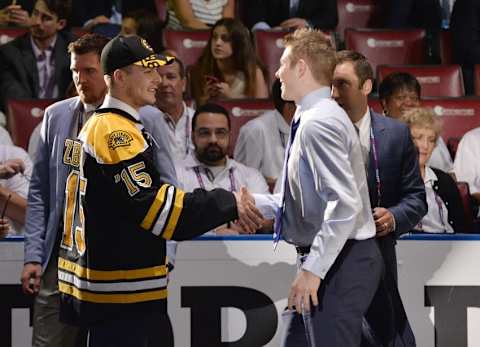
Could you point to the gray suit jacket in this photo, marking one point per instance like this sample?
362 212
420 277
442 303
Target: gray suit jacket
47 186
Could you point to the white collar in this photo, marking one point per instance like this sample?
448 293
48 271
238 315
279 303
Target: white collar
365 121
37 51
169 118
111 102
429 175
191 162
311 98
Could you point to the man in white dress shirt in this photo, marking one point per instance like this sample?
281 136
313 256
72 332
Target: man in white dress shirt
324 210
261 141
209 166
467 165
176 114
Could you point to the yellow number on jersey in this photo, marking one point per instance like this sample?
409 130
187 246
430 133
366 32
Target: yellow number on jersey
75 184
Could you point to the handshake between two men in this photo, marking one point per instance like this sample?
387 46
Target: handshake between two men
250 219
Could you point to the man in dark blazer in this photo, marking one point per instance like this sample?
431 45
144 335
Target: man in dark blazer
288 14
20 59
397 193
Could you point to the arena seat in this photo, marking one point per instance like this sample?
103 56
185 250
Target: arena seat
269 46
436 80
23 115
355 14
398 47
241 111
374 103
464 191
7 34
477 80
188 45
458 115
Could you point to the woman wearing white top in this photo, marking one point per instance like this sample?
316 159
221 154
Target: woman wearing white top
198 14
445 209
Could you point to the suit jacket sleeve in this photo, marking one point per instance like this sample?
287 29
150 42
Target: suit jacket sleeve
412 205
10 83
38 199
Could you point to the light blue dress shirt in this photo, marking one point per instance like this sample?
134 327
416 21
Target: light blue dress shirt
326 191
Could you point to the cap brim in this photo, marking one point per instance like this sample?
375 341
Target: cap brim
155 60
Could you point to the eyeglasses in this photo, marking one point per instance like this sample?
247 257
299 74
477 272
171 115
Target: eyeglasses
221 133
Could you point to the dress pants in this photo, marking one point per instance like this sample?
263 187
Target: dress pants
48 331
344 297
386 315
135 329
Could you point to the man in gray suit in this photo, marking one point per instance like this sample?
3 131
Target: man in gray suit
44 225
324 209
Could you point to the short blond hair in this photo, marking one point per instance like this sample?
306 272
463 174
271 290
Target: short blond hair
316 48
423 117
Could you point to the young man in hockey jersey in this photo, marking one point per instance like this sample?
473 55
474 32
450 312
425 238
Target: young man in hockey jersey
118 214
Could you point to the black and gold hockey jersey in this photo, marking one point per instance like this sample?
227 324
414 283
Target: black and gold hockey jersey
117 217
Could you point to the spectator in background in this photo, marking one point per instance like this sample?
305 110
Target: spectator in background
145 24
176 114
292 14
15 172
397 193
17 14
36 65
198 14
261 142
425 14
445 209
88 14
399 92
209 166
467 163
228 67
465 31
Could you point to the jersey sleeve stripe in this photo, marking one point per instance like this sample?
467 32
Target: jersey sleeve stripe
163 217
154 208
101 275
108 287
112 298
174 216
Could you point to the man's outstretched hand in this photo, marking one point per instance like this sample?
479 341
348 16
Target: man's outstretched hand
249 217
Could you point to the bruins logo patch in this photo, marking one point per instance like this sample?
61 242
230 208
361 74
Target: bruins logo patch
119 138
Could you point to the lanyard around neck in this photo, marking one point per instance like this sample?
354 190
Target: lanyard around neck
376 165
233 187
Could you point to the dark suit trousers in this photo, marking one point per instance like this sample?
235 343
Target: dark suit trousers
344 297
143 329
386 315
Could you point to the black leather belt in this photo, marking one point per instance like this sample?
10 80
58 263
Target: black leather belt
302 250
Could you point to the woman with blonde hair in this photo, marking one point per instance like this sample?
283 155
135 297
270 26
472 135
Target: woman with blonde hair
228 67
445 209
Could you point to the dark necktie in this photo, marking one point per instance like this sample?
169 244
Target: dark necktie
277 230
